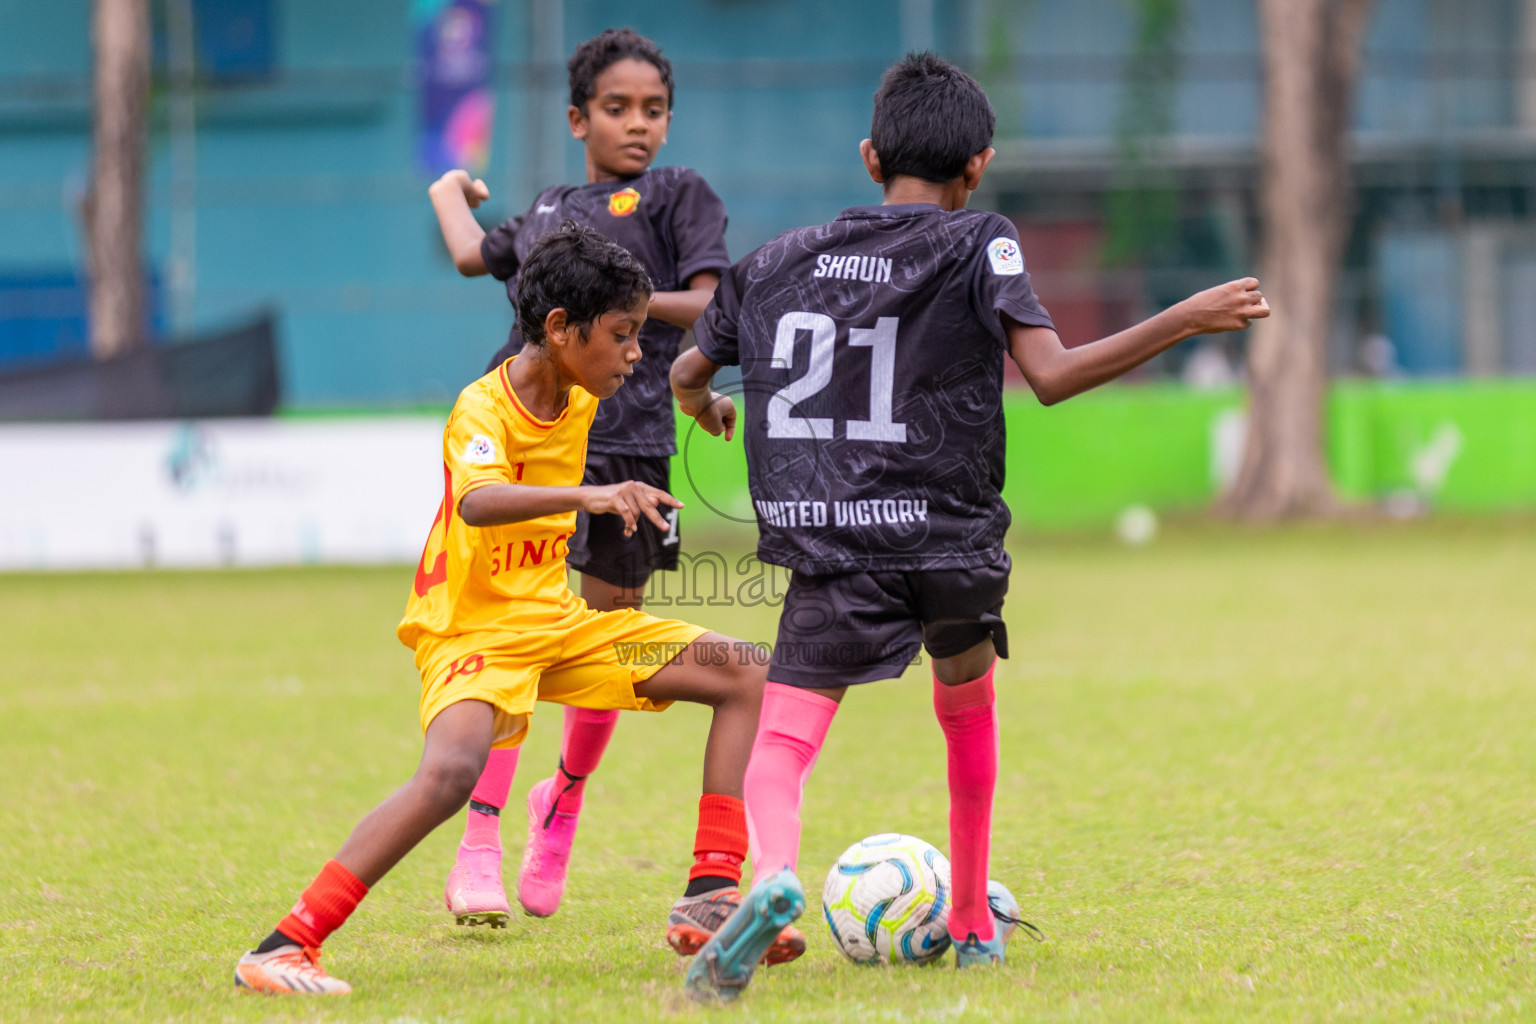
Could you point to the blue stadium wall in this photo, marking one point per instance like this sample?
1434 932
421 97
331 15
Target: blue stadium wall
308 200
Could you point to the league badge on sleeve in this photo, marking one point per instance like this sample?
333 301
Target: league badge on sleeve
623 202
480 451
1003 253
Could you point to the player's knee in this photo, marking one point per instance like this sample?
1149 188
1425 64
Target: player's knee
970 664
744 681
450 780
734 686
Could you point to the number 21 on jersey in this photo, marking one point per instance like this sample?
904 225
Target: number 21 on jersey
881 339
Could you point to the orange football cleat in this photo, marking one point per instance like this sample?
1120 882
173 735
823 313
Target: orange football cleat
287 970
695 919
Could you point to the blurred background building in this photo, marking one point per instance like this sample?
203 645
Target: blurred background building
290 176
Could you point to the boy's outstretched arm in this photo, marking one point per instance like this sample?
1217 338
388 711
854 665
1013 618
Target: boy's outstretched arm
500 504
691 373
682 308
454 195
1056 372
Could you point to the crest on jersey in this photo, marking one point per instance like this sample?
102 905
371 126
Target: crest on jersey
1003 253
623 202
480 451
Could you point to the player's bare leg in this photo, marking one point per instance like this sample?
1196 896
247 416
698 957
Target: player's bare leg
607 597
711 671
965 666
457 743
554 804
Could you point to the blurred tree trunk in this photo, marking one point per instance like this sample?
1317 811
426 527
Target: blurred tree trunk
1312 52
120 32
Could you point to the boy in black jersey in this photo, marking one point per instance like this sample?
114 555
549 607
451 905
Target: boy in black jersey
668 217
872 354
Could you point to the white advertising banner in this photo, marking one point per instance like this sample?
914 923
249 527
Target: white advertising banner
218 492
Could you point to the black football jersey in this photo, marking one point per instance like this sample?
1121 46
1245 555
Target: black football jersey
871 352
673 222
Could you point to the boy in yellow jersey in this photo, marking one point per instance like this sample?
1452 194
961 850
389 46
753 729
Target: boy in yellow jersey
621 94
495 626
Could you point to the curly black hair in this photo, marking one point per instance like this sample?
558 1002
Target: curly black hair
578 270
597 54
930 119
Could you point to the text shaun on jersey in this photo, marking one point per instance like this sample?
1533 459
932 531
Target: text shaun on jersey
875 269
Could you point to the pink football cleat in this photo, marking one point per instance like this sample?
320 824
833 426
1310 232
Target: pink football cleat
541 881
475 894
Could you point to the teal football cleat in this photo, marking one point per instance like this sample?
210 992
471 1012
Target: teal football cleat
725 964
1005 911
973 952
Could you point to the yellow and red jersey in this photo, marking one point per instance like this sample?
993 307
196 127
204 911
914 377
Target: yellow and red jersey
486 578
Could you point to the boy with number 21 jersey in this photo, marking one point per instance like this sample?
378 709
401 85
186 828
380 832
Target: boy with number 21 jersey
872 356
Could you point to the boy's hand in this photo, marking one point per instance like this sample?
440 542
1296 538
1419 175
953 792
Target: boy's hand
474 190
718 415
630 499
1227 307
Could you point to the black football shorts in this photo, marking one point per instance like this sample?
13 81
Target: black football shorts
599 547
842 629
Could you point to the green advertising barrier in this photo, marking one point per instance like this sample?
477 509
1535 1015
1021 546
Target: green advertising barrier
1467 446
1082 462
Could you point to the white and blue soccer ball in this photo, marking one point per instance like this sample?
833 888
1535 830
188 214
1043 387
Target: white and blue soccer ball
887 901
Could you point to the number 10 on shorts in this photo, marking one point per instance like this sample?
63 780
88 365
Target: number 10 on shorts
470 666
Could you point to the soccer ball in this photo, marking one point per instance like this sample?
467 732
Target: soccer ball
887 901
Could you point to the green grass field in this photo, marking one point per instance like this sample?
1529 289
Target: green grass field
1278 776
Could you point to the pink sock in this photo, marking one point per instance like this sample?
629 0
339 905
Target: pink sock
790 731
586 737
968 715
495 782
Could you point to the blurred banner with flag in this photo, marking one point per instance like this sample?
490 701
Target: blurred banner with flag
453 74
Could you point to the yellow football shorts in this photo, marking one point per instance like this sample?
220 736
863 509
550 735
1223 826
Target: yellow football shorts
571 655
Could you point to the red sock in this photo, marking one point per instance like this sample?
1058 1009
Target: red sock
968 715
720 846
324 906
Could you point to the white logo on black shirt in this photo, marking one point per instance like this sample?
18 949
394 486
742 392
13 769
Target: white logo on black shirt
1003 253
875 269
